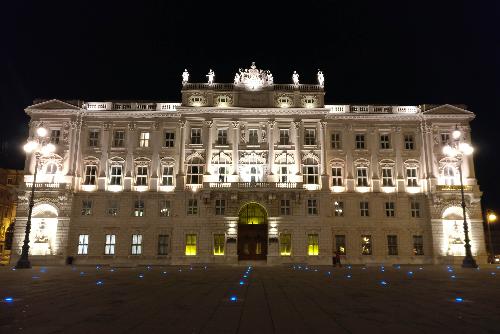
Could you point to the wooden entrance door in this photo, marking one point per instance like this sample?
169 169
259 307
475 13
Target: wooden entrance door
252 242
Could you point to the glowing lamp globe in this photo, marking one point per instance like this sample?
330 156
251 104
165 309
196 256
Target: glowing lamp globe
42 132
30 146
456 134
492 217
465 148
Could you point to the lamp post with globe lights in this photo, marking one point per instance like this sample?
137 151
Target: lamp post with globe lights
39 146
491 217
457 149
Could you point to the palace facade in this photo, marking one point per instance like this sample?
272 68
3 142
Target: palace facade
248 171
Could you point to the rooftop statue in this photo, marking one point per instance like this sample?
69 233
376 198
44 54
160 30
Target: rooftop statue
185 77
295 78
253 78
321 79
210 76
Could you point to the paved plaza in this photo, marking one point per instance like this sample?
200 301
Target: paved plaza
242 299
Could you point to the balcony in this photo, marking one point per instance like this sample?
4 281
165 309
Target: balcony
450 188
48 185
252 185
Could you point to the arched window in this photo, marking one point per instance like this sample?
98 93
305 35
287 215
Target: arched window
311 171
195 171
222 164
51 168
449 175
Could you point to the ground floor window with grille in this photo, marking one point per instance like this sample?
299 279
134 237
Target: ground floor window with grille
366 244
312 244
339 208
163 244
285 244
415 209
312 207
139 208
136 244
285 207
220 207
83 244
219 243
191 244
340 244
418 245
164 208
392 244
192 207
86 207
109 246
389 209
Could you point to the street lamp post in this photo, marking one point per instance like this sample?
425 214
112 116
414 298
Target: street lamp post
491 217
38 146
458 149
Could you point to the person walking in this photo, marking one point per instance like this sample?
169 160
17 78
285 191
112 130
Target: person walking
337 259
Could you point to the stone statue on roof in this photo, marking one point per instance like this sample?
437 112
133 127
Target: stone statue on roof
185 77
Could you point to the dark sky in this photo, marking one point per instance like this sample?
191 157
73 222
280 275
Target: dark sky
398 52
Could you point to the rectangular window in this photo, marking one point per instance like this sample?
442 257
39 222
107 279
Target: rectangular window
392 244
362 176
415 209
90 175
94 137
285 207
411 177
363 209
337 176
167 177
409 142
144 139
169 139
139 208
195 174
339 208
389 209
366 245
191 244
86 207
219 243
109 246
385 143
284 137
445 138
285 244
312 206
112 209
310 174
142 176
118 138
283 174
163 244
83 244
164 206
387 180
340 244
360 141
336 141
253 137
116 176
418 245
220 207
309 136
195 136
312 244
192 207
222 137
55 135
136 244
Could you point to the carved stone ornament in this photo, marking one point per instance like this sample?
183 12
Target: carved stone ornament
132 126
107 126
182 123
253 78
235 124
253 158
310 155
284 158
209 123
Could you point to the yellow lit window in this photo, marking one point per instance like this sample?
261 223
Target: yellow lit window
285 244
190 244
312 244
219 241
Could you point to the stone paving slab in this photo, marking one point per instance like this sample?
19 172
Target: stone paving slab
281 299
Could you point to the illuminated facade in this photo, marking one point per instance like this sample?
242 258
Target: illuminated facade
10 179
249 170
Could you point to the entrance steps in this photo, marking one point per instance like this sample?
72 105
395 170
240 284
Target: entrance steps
254 263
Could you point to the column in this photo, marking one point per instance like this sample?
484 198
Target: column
131 141
179 179
270 139
103 164
156 143
399 168
209 142
236 137
322 135
297 126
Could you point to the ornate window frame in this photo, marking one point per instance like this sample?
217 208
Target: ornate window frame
389 164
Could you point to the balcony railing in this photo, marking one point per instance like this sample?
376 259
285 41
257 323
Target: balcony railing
452 188
252 185
48 185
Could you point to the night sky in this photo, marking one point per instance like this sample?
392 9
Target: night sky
400 52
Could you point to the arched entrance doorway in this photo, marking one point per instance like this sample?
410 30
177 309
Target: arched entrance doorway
252 232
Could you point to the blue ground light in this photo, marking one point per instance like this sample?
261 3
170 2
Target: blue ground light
348 276
82 273
410 273
383 283
245 276
233 298
8 300
241 282
141 276
458 300
43 270
99 282
453 276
